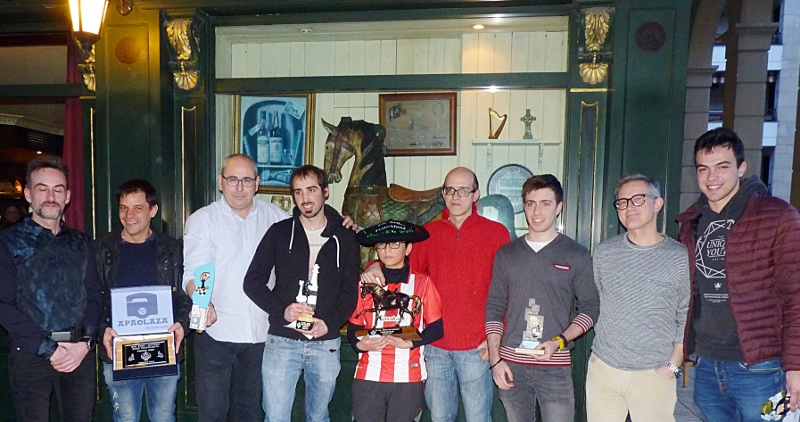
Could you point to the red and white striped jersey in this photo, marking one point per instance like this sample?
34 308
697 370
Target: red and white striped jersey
392 364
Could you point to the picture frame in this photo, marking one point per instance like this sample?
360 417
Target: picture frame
277 153
419 123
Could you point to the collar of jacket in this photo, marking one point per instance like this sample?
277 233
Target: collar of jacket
693 213
38 229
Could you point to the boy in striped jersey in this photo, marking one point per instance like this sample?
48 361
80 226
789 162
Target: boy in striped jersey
389 377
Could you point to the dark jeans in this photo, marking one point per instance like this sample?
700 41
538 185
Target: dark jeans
227 380
33 379
551 386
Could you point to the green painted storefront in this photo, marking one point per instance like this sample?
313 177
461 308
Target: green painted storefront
631 121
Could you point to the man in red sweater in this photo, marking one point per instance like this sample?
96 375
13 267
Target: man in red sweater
458 257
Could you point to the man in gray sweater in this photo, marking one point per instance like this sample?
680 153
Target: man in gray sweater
537 281
643 280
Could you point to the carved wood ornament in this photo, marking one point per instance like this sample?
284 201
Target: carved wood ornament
596 26
181 35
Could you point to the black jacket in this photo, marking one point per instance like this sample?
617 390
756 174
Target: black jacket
47 283
169 272
285 248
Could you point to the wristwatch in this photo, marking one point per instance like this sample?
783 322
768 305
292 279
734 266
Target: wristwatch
675 369
89 342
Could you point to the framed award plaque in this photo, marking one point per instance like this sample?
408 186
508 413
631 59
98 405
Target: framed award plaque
144 356
141 316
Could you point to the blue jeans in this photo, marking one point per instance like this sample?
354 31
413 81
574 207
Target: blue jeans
283 361
126 396
451 371
727 391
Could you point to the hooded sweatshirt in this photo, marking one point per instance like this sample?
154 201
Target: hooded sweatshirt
715 329
285 249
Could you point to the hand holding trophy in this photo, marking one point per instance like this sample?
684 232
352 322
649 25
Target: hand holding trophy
533 331
307 294
383 301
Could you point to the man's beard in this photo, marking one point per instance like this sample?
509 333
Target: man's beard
49 213
310 214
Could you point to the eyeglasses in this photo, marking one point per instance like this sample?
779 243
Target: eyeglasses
460 192
233 181
393 245
636 200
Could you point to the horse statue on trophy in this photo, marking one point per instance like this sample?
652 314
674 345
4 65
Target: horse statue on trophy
368 200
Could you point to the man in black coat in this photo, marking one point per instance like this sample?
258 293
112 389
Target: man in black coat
316 263
139 256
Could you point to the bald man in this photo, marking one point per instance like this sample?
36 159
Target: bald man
228 355
458 257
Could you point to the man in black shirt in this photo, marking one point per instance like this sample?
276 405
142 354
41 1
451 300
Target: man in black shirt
50 302
139 256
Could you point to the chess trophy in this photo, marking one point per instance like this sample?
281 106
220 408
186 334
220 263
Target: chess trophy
533 330
308 294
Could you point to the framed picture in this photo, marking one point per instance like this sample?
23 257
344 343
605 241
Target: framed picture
277 132
419 124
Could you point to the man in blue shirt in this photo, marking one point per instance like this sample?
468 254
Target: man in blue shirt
50 302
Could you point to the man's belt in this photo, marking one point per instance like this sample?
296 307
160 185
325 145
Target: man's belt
72 335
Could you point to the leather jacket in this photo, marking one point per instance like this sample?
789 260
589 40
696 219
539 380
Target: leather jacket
169 272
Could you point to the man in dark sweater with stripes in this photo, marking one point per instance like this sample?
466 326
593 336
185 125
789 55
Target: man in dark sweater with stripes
556 272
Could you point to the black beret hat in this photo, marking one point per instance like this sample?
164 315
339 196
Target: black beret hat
392 231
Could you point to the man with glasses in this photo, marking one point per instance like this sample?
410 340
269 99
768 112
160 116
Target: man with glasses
458 257
228 355
538 280
744 317
643 280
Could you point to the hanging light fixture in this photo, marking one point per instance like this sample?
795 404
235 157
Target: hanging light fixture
87 18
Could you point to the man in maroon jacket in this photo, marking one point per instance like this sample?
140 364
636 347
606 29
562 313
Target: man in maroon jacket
744 315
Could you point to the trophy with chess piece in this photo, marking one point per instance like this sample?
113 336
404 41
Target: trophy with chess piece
533 331
308 295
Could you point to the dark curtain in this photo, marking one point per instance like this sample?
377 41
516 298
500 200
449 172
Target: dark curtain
75 213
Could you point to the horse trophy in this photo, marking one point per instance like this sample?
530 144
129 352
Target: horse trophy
384 300
368 200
